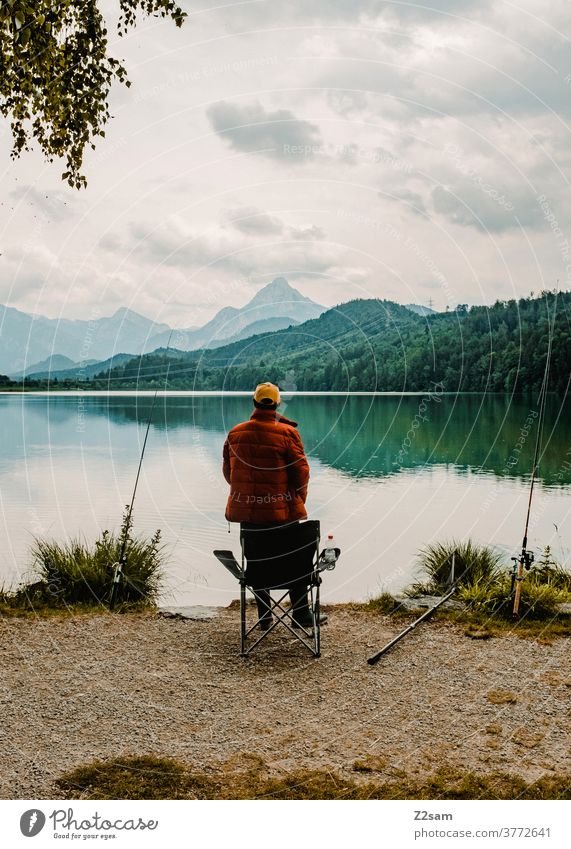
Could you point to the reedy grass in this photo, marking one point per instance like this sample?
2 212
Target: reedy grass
548 571
473 565
484 584
75 574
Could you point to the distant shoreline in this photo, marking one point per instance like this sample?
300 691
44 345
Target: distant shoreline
221 393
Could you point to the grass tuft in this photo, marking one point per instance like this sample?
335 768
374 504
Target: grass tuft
74 574
383 603
479 632
501 697
371 763
484 586
149 777
474 565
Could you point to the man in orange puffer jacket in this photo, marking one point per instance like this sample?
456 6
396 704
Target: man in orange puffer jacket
265 464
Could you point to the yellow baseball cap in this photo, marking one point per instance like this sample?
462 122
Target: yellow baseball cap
267 393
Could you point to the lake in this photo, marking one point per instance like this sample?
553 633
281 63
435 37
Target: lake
389 473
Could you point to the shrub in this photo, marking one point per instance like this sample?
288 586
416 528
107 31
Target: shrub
537 600
548 571
73 573
485 587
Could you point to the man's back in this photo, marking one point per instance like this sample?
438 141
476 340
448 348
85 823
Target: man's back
266 467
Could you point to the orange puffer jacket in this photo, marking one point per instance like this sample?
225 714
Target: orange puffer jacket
266 467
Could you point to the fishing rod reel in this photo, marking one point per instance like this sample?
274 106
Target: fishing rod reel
524 561
526 558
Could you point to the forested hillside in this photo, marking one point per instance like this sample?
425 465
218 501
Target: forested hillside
378 345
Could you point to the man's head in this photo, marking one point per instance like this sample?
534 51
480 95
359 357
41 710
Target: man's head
266 396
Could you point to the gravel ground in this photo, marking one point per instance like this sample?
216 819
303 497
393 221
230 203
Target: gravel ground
102 685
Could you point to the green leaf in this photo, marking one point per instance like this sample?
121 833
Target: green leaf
56 73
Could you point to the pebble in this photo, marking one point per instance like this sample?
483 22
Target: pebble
99 685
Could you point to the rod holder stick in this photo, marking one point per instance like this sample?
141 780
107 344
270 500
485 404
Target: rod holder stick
376 657
452 570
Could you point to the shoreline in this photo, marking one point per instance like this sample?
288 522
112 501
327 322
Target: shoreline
103 686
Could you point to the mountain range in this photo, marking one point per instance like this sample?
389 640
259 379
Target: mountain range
374 345
33 345
359 345
28 341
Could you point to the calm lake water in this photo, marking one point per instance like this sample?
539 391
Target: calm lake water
389 473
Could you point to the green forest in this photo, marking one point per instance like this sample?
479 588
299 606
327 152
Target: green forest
374 345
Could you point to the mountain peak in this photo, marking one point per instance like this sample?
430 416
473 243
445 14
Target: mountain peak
278 290
280 284
124 312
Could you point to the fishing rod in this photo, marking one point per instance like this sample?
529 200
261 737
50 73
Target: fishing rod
526 557
376 657
119 565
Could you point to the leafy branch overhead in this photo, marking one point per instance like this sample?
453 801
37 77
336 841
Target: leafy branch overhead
56 73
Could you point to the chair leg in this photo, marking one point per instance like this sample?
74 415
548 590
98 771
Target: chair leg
317 627
242 619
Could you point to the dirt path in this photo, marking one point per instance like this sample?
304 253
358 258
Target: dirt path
104 685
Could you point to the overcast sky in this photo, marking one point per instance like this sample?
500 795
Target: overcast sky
361 149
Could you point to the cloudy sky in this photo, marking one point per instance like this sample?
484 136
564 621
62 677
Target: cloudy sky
361 149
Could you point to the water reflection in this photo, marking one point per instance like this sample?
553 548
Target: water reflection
362 436
388 474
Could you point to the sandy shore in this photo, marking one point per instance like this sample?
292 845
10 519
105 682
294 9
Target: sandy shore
102 685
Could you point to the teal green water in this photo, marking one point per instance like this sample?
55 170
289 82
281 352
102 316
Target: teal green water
388 474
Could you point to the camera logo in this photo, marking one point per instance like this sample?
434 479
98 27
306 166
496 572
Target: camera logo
32 822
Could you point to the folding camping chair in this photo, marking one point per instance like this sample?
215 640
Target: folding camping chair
275 559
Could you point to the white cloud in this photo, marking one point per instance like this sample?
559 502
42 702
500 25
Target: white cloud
193 203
